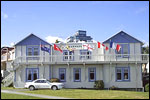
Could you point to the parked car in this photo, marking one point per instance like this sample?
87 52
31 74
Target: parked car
43 84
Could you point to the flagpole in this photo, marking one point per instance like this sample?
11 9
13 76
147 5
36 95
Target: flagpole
51 52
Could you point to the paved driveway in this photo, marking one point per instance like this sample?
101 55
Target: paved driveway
35 95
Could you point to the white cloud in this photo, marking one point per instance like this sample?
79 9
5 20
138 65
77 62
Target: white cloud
4 15
12 44
52 39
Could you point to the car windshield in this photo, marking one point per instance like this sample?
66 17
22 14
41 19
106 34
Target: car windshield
48 81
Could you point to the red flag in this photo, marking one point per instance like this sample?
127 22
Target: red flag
99 44
57 48
103 45
118 47
106 48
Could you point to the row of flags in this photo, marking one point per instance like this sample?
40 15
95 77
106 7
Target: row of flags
113 45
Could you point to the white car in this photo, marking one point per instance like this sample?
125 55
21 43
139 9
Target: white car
43 84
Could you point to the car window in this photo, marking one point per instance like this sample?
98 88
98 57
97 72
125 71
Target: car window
43 81
38 81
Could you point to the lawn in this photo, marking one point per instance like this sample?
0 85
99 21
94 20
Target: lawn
93 94
16 96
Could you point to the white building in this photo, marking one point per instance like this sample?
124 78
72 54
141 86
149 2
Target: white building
81 67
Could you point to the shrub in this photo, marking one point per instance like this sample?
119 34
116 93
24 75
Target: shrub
99 84
147 87
113 88
54 80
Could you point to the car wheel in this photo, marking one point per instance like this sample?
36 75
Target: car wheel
31 88
54 88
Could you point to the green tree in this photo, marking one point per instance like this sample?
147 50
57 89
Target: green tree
57 41
145 50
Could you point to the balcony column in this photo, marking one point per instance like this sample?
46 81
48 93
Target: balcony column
136 74
69 70
84 71
110 65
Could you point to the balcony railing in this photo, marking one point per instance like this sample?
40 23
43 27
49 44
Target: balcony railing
82 58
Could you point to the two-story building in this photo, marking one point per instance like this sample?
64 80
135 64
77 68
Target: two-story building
80 67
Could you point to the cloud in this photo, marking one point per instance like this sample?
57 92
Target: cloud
12 44
4 15
141 10
52 39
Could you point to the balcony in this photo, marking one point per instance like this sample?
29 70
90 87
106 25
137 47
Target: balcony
79 59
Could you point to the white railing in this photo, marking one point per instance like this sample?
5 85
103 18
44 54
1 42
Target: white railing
82 58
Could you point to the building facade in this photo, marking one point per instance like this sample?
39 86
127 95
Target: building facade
80 68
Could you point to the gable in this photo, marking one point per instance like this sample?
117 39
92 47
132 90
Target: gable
122 37
32 40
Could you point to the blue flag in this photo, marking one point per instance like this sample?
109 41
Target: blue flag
43 48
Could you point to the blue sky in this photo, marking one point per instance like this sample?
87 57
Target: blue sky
53 19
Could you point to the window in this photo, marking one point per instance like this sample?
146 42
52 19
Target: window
77 74
92 74
68 55
33 51
32 74
119 74
29 53
124 50
122 74
85 54
62 74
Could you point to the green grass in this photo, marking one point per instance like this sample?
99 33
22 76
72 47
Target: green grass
16 96
93 94
5 88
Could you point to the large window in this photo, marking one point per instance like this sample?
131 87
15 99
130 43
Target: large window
62 74
92 74
68 55
77 74
32 74
122 74
85 54
32 51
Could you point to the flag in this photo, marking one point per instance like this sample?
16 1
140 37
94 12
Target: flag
106 48
98 44
118 47
70 49
112 45
57 48
43 48
87 46
103 45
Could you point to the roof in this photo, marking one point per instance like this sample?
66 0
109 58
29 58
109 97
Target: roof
32 40
122 37
4 49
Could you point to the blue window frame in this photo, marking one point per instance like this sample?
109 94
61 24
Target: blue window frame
125 49
68 55
77 74
122 74
62 74
92 74
32 74
85 54
32 51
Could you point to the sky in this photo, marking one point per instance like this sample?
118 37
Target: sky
50 20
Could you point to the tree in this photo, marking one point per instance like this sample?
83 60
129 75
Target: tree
57 41
145 50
